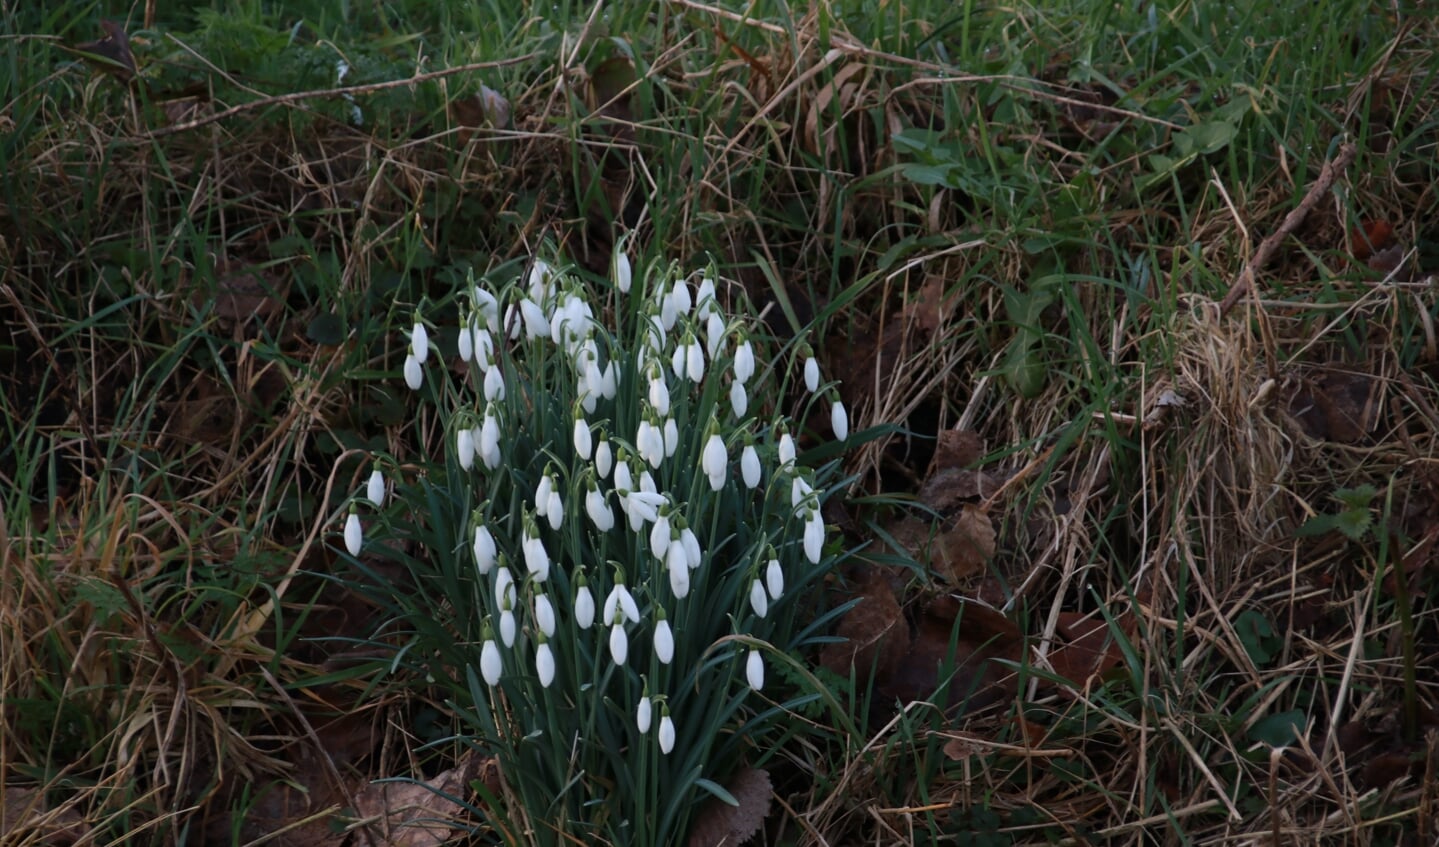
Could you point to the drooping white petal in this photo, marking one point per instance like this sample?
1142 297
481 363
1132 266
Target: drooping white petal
738 398
743 362
643 715
465 447
622 272
664 642
774 579
545 614
414 375
786 449
714 461
494 385
556 510
619 644
537 559
659 393
507 627
628 605
466 342
671 437
543 489
667 734
375 489
705 299
691 544
504 589
609 383
714 334
484 344
678 565
536 324
813 537
660 536
354 534
490 664
839 420
420 342
681 297
604 458
599 510
485 549
758 600
754 670
545 664
489 448
749 466
695 361
584 441
584 607
677 361
811 374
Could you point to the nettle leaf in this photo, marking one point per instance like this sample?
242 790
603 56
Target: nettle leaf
1357 498
1317 525
1354 523
1279 730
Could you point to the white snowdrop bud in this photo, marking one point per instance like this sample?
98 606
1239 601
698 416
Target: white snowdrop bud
620 600
691 544
375 490
507 627
667 733
556 510
537 558
414 375
705 299
749 466
598 509
494 385
536 324
489 307
774 578
484 345
624 482
604 458
754 670
484 549
668 312
681 297
678 565
813 536
543 489
738 398
545 614
714 461
619 643
664 642
465 447
643 714
659 393
839 420
490 664
489 443
466 342
714 334
671 437
584 606
545 664
786 449
584 442
743 362
504 588
758 600
354 534
539 280
811 374
660 536
420 342
622 272
677 361
695 361
609 383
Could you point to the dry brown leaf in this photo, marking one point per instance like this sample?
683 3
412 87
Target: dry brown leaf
875 632
413 814
719 824
1338 406
963 550
23 811
956 449
978 634
963 745
1089 650
110 54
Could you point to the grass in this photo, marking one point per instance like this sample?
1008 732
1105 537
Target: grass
1014 221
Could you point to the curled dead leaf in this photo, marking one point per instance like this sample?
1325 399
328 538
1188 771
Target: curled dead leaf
876 636
963 550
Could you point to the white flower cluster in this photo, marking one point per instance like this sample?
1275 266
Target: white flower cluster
646 415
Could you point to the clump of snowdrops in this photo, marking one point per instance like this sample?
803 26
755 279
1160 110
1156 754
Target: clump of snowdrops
616 542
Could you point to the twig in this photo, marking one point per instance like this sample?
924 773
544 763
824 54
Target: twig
1267 248
322 93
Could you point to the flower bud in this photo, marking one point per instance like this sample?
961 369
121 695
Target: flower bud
545 614
604 457
714 461
619 643
414 376
643 714
664 642
758 599
754 670
354 533
738 398
490 664
621 271
839 420
667 732
420 342
743 362
811 374
375 490
545 664
749 466
584 605
465 448
774 578
584 442
485 549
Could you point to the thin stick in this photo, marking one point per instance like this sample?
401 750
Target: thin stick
1267 248
323 93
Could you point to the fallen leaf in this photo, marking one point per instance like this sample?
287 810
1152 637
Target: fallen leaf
1338 406
876 636
956 448
1089 650
963 745
977 635
488 108
416 814
1369 238
24 812
963 550
111 53
719 824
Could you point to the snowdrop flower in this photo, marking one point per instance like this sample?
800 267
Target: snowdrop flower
609 383
738 398
354 533
584 603
584 441
811 372
414 376
705 299
671 437
691 545
539 280
536 324
537 558
799 490
660 534
489 444
494 385
624 482
375 489
813 536
545 614
758 600
664 639
484 345
543 489
749 465
678 564
466 340
714 461
544 663
619 643
556 510
604 457
465 447
504 587
680 295
754 670
650 441
643 714
743 362
507 626
490 664
598 509
488 307
621 271
678 358
774 577
714 334
659 393
839 419
484 548
621 601
420 342
695 360
644 508
667 731
786 448
669 312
